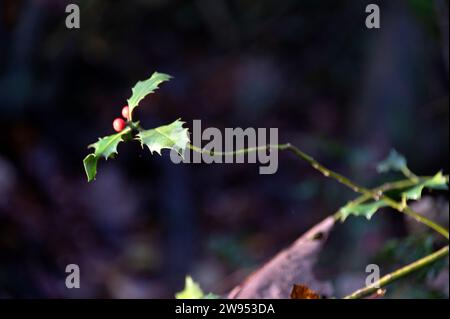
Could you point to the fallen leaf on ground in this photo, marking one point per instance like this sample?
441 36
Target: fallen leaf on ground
290 266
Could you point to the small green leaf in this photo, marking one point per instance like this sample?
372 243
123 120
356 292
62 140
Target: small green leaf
366 210
143 88
394 162
104 147
191 290
438 181
172 136
90 166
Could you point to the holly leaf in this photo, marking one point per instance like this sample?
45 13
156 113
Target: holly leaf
367 210
394 162
90 166
143 88
172 136
438 181
191 290
105 147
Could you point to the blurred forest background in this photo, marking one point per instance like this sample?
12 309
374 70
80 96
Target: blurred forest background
334 88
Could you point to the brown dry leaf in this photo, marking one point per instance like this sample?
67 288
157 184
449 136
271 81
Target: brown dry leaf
303 292
292 265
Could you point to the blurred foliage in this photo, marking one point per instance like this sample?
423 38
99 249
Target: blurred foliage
398 252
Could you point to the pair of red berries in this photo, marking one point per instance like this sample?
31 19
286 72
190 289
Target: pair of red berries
119 124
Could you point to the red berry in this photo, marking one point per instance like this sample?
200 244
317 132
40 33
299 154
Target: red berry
125 112
119 124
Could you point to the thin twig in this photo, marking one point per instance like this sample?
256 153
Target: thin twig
375 194
401 184
399 273
367 194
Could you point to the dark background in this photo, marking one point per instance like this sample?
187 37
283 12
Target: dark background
334 88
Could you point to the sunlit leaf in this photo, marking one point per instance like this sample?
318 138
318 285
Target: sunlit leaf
172 136
191 290
143 88
105 147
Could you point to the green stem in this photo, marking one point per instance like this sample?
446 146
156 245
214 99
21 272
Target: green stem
405 209
398 206
230 153
383 188
409 174
367 194
375 194
421 219
399 273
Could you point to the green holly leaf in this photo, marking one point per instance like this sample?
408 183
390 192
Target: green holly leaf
105 147
143 88
438 181
191 290
394 162
172 136
90 166
366 210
